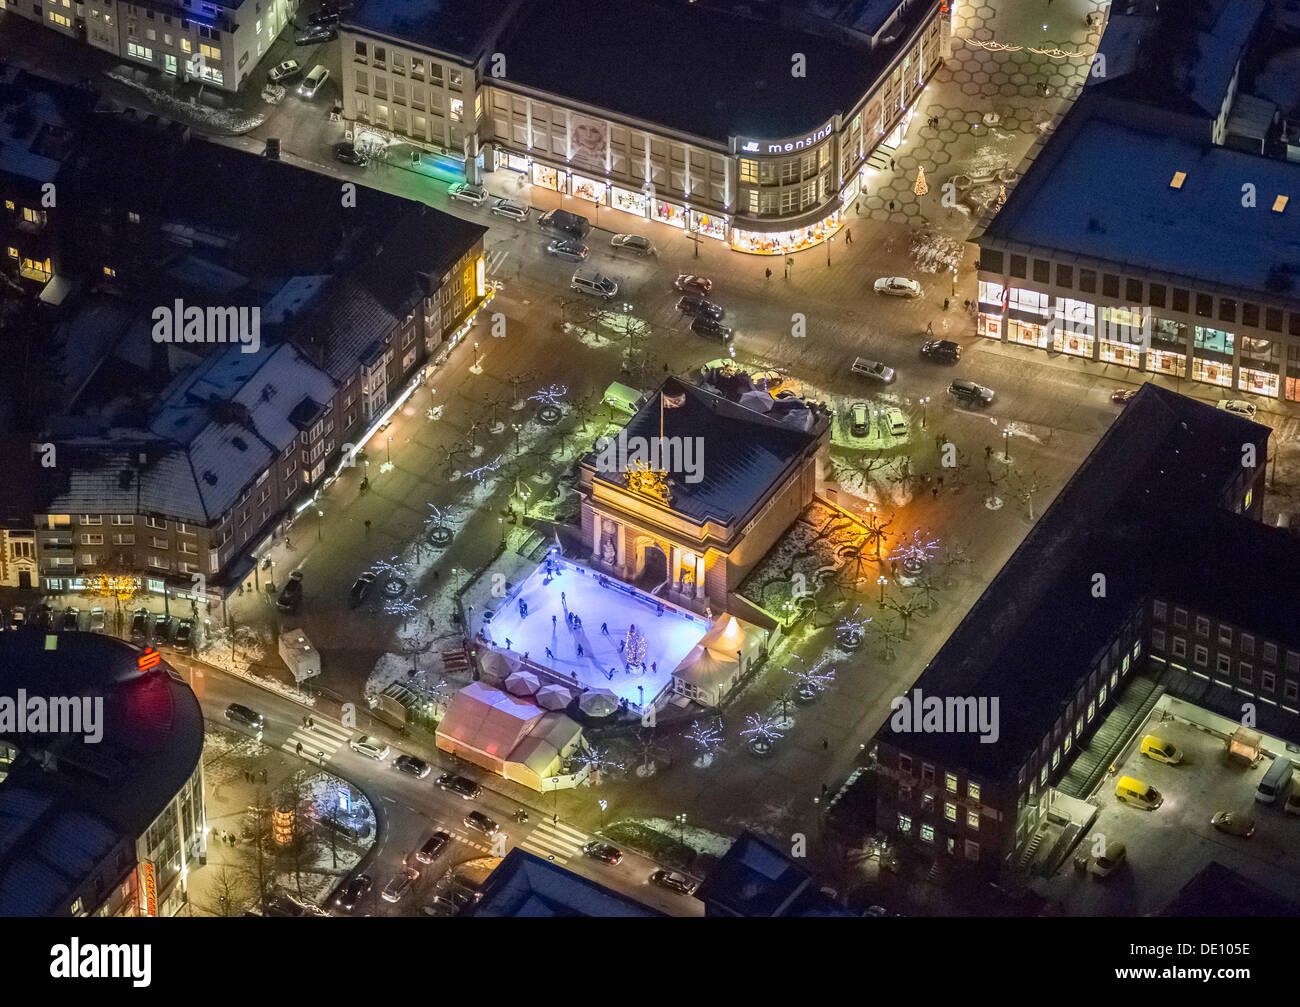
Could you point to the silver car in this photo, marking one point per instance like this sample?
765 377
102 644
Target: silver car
509 208
567 248
467 193
633 243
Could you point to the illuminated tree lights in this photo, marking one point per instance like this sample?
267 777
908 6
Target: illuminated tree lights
634 647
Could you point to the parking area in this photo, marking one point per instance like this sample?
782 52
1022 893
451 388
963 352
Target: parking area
134 622
1167 846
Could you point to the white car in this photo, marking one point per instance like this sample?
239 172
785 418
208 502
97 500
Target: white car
898 286
633 243
367 745
1239 406
312 82
1108 862
511 209
476 195
873 369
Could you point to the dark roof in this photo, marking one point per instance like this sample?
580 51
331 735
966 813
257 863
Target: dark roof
745 453
457 27
526 886
1144 509
56 824
1219 891
755 878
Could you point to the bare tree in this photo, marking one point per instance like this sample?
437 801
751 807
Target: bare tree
887 637
232 888
907 605
1026 487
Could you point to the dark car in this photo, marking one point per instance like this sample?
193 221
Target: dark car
480 822
361 588
238 713
689 283
353 892
467 789
316 34
348 154
427 853
140 624
17 617
411 766
941 349
70 617
603 851
185 634
674 881
43 618
324 16
291 595
693 304
970 393
703 325
162 629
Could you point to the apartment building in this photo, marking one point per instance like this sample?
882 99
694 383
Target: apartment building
765 158
1150 571
218 43
1185 267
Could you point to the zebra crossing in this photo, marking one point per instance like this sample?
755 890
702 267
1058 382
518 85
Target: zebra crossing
1289 431
496 260
555 842
323 737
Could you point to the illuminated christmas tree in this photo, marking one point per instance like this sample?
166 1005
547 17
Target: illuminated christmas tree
920 188
634 647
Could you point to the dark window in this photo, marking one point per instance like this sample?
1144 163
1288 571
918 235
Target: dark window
1087 281
1065 276
1293 323
991 261
1181 299
1133 291
1273 319
1250 315
1156 295
1109 285
1204 305
1042 271
1018 265
1227 309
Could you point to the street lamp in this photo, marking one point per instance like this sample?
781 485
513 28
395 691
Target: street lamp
924 402
502 525
681 829
603 805
475 357
954 280
882 581
1006 444
320 520
390 449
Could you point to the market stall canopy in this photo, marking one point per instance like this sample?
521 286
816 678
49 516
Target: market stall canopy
598 703
554 697
523 683
498 665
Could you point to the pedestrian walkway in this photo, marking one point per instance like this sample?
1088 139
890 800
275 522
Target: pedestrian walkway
323 736
556 842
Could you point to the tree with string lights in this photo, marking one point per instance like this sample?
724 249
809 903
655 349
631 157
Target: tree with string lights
761 733
707 738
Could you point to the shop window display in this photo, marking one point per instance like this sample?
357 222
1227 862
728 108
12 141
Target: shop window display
546 177
1212 372
1166 362
669 213
782 242
1250 379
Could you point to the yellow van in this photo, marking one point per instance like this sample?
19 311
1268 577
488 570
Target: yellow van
1161 750
1132 791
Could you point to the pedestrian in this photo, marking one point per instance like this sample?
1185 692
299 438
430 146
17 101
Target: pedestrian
311 722
288 542
891 204
621 645
654 666
768 273
825 744
263 775
367 526
941 482
604 629
891 164
929 328
610 676
945 304
580 650
507 643
299 751
966 304
552 622
935 491
549 654
988 451
561 597
848 235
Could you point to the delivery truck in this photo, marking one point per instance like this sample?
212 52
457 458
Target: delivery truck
297 652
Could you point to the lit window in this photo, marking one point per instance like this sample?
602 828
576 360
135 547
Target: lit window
973 820
927 833
1279 204
904 823
950 811
973 791
110 271
13 252
1177 181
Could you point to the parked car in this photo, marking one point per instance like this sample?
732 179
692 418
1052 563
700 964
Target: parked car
633 243
281 72
509 208
436 843
324 16
467 192
43 618
703 325
944 350
1234 823
603 851
970 393
567 248
480 822
97 619
898 286
1161 750
348 154
368 745
291 594
312 82
185 634
873 369
71 616
674 881
411 766
1108 862
1239 406
139 624
466 788
316 34
245 716
859 419
361 588
693 304
17 617
162 629
353 892
400 884
596 284
1120 396
689 283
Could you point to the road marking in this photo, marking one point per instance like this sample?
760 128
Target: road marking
496 259
555 841
324 737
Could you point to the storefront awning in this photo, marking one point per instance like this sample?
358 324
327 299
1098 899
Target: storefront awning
770 226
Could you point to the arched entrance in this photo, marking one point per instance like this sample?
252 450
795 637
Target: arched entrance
653 566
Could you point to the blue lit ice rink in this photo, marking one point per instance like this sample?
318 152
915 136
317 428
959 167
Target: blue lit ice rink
669 637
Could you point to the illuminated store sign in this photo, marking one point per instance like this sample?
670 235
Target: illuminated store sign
786 146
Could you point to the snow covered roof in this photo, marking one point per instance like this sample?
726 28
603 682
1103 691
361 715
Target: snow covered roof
488 719
524 885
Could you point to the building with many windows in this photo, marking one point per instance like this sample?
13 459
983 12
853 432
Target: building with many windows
218 42
786 111
1187 268
1150 572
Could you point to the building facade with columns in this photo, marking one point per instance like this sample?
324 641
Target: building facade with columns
778 137
691 523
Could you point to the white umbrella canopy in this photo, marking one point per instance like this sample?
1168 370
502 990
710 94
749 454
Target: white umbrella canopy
523 683
498 665
554 697
598 703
